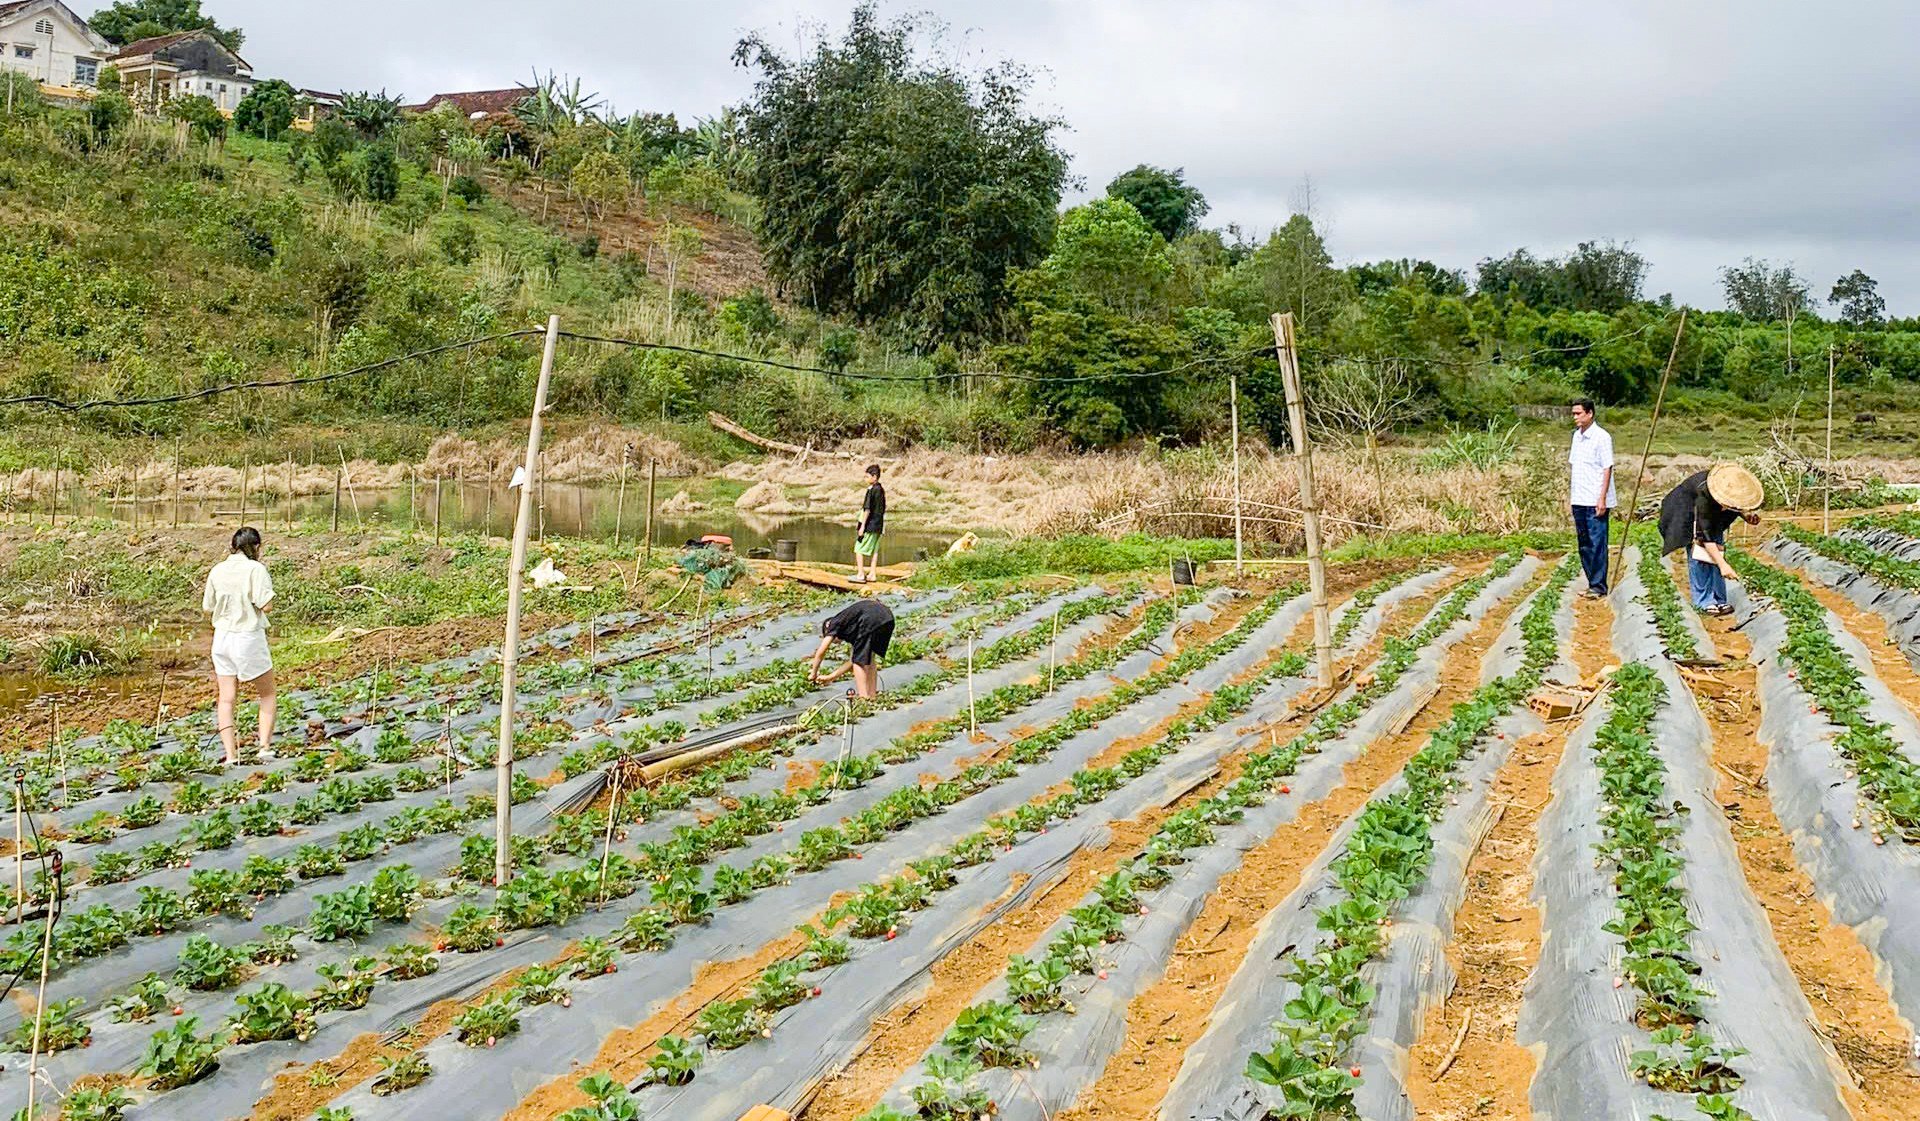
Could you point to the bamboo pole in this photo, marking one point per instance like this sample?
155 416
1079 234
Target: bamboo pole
289 494
973 720
352 496
620 503
510 648
337 472
1053 650
1653 424
1309 501
1826 491
436 511
176 481
653 466
1239 537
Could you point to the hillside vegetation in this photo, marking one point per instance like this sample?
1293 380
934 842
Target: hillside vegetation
910 219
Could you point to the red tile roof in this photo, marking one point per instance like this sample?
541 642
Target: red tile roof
158 42
7 9
489 102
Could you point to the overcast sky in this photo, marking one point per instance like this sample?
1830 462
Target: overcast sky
1702 132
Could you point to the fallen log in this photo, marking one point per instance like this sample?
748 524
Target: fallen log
728 426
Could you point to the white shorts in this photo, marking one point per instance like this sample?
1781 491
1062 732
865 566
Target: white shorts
241 654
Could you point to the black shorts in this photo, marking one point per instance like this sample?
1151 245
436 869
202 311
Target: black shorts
872 644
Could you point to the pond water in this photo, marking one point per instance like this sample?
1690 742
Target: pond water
568 510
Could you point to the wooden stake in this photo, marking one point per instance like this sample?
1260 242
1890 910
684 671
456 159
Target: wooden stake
1053 650
246 470
1620 550
1309 501
337 472
436 511
1826 492
351 495
176 482
606 848
510 647
413 488
289 494
620 504
1239 538
973 721
653 465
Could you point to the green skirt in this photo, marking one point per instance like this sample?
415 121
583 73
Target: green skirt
867 544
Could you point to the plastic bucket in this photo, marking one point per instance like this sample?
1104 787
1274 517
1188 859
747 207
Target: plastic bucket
1182 571
786 549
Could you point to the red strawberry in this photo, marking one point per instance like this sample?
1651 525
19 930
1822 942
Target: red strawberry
177 1010
1103 975
1285 789
1354 1071
816 990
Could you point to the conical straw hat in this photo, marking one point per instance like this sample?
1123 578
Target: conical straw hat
1735 487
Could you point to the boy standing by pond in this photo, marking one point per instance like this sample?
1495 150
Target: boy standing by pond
873 522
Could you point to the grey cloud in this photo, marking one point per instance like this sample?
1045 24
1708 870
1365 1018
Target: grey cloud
1703 132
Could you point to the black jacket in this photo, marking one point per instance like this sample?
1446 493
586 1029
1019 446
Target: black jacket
1690 516
873 510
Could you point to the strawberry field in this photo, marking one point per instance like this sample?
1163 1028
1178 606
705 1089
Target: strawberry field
1100 850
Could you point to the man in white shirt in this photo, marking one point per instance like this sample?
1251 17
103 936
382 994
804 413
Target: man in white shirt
1590 465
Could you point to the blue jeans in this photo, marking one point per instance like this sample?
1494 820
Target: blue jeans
1590 530
1709 587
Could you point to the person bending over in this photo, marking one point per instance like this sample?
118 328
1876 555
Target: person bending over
867 629
238 595
1695 516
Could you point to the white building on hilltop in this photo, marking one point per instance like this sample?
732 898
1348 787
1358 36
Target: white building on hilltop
46 41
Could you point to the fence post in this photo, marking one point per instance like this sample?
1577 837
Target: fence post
436 511
336 499
620 504
652 466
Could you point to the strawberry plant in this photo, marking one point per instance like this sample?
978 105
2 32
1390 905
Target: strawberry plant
272 1011
488 1022
540 984
395 892
728 1024
142 812
1685 1060
779 986
95 1103
206 965
110 868
470 929
948 1093
97 829
402 1072
345 985
176 1056
731 885
1035 984
362 842
1312 1090
59 1029
273 947
873 913
409 960
192 798
149 997
823 951
341 914
306 811
674 1061
989 1033
90 933
262 876
682 895
611 1102
216 830
260 818
312 861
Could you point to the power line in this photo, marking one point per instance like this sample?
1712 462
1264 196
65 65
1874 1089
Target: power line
270 383
51 401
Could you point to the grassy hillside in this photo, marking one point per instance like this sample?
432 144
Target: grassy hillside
152 265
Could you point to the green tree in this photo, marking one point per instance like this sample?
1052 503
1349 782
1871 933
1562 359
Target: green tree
207 122
1162 197
1596 276
894 189
128 20
599 181
108 113
1291 272
1379 277
370 114
1106 251
1762 292
378 176
1859 298
267 111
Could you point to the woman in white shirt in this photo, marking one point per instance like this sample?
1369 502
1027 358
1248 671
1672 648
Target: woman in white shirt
239 594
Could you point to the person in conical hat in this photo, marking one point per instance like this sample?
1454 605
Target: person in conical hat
1695 516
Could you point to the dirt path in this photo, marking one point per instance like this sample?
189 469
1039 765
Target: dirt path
1890 662
1496 938
1833 968
1173 1012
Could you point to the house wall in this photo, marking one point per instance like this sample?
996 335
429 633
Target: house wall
55 66
225 92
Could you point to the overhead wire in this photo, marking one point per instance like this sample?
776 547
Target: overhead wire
1208 360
